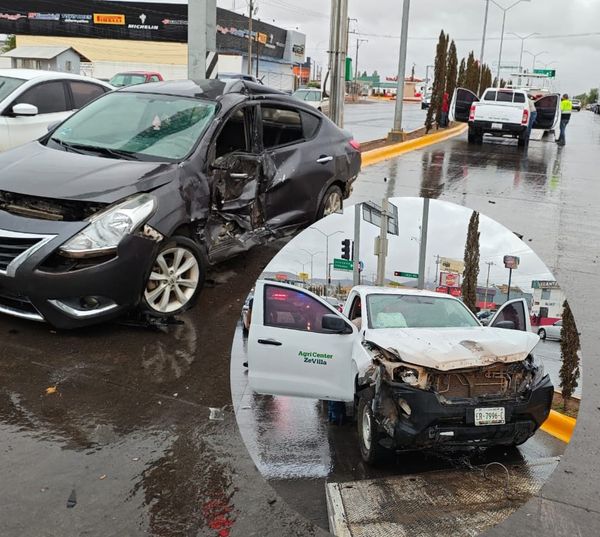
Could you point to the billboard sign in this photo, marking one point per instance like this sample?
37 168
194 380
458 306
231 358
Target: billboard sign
452 265
142 21
511 261
449 279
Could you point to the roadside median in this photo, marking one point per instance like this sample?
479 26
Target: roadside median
559 426
373 156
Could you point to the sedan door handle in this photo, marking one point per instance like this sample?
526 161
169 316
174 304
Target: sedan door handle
324 158
238 175
270 342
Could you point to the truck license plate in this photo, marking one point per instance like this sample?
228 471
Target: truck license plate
497 126
489 416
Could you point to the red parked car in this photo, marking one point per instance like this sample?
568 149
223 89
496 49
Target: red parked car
131 78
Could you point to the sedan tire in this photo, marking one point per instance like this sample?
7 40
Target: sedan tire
176 278
332 202
368 435
542 333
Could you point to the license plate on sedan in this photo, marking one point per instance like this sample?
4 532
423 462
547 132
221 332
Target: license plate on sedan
497 126
490 416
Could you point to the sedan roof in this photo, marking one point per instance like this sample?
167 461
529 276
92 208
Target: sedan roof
31 74
203 89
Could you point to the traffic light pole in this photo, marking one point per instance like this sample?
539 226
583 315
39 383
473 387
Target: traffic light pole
356 256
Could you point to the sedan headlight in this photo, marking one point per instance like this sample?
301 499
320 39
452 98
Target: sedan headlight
106 229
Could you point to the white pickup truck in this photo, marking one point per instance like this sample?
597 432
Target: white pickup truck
419 367
503 112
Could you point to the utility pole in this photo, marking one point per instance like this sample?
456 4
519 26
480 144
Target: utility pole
250 15
487 281
381 243
358 42
397 129
485 18
423 243
338 39
202 36
437 269
312 256
356 252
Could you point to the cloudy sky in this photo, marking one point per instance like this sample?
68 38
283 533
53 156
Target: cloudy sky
448 225
568 32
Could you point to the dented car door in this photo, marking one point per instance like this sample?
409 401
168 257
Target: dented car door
514 311
298 166
294 348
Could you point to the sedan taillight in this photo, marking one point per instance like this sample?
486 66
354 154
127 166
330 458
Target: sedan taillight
472 113
525 117
355 144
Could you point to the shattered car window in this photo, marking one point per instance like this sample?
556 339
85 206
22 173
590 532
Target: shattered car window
159 127
409 311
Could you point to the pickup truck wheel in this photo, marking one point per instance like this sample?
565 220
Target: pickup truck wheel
368 435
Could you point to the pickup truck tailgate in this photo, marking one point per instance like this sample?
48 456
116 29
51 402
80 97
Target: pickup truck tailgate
499 112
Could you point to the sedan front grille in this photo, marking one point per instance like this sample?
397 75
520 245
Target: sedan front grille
15 247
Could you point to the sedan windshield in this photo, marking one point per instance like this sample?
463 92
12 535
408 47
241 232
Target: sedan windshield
127 79
8 84
140 125
410 311
304 95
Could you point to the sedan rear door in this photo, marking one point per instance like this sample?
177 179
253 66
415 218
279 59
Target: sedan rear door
299 162
460 106
291 350
548 112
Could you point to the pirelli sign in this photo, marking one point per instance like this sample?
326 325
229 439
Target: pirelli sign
105 18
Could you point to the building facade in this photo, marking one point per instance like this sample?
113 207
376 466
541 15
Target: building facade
548 299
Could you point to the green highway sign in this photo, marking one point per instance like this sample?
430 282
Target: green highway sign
406 274
343 264
550 73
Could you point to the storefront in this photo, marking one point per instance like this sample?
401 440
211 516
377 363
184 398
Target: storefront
548 299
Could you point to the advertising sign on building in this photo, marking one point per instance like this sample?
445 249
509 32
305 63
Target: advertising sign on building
545 284
452 265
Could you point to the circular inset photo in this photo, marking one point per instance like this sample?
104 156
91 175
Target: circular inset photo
406 367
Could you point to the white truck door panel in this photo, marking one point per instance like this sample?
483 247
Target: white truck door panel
24 129
289 353
516 311
460 106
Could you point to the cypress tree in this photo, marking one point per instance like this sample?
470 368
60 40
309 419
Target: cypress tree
462 74
469 283
569 345
486 79
472 74
451 70
439 82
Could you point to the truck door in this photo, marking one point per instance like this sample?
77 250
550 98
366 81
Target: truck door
516 311
299 345
548 112
461 104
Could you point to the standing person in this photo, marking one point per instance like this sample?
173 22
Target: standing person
445 110
565 115
532 115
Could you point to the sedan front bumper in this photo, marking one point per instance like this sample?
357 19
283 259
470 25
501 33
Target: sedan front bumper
443 425
32 288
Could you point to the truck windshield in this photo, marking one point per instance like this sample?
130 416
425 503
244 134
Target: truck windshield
143 126
410 311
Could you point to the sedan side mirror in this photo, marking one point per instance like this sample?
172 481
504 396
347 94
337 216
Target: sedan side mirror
509 325
335 324
24 109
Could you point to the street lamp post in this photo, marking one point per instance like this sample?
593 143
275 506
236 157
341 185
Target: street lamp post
312 255
504 10
326 235
522 38
535 57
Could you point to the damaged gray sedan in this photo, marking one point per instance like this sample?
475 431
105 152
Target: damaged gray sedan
125 204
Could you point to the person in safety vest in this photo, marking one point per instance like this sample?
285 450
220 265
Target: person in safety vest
565 115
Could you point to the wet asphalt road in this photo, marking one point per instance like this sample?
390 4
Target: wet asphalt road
373 119
298 451
127 437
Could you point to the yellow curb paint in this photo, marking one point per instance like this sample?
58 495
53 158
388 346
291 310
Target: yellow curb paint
382 153
559 426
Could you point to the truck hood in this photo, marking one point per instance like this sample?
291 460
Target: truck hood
445 349
36 170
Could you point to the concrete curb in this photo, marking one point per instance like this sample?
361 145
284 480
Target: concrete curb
559 426
382 153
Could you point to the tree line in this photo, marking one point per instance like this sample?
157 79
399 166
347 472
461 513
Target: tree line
448 74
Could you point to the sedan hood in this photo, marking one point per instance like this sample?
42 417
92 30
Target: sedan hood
454 348
36 170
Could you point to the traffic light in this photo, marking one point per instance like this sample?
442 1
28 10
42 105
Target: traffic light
346 249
